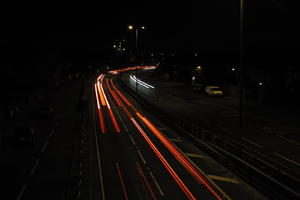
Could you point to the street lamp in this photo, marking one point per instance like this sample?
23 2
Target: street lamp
130 27
242 18
137 28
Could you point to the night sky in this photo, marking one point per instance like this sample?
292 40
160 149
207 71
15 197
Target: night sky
205 26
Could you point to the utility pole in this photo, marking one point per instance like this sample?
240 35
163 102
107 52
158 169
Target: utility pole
241 65
137 58
130 27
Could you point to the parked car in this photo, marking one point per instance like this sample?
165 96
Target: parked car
213 91
25 135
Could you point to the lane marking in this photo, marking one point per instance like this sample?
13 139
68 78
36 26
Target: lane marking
287 159
142 175
98 155
175 140
162 129
202 172
224 179
35 166
132 140
142 157
251 142
45 146
224 129
164 162
124 125
194 155
177 154
51 134
21 192
156 184
121 181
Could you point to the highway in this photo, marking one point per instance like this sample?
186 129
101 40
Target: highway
197 113
135 158
113 148
261 133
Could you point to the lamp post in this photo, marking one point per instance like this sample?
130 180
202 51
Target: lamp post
136 28
242 6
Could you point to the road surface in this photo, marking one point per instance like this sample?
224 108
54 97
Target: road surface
137 160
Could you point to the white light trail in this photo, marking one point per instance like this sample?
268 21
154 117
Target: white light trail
146 85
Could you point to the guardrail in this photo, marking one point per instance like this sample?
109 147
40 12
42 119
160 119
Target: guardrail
268 176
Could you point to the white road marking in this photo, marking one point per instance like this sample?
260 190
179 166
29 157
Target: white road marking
251 142
162 129
175 140
45 146
125 127
140 154
156 183
225 179
51 134
224 129
202 172
132 140
21 192
285 158
98 154
194 155
35 166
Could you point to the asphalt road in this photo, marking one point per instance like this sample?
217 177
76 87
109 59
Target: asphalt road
261 133
42 171
138 157
113 149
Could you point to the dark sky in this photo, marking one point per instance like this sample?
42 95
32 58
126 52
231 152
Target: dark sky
211 25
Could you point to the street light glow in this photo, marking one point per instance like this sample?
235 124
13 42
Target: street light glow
130 27
143 27
233 69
